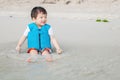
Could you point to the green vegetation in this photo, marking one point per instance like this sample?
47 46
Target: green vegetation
105 20
100 20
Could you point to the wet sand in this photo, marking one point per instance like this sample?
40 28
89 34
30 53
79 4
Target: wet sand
91 52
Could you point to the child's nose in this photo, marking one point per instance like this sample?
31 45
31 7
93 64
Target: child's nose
44 19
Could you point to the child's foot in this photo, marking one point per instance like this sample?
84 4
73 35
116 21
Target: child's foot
48 57
28 59
31 59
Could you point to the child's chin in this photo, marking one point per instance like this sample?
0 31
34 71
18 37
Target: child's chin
43 24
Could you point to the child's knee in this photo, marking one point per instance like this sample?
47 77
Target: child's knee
32 50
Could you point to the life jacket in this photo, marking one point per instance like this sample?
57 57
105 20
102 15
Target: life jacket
38 38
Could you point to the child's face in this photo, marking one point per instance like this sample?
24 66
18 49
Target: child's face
41 19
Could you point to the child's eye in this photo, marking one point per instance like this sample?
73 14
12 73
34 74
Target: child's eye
41 17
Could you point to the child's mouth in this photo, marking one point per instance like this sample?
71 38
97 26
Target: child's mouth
43 22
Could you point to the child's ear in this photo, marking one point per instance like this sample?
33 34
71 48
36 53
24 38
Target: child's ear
33 19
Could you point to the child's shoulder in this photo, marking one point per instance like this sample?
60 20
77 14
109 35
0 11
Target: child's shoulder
31 24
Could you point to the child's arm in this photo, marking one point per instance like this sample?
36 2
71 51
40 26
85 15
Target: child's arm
56 45
21 41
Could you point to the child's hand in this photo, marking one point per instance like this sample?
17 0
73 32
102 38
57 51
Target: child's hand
18 48
59 51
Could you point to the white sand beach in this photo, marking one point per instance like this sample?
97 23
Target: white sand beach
91 49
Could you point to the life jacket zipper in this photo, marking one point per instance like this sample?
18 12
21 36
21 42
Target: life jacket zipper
39 41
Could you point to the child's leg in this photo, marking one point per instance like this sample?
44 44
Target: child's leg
33 55
47 55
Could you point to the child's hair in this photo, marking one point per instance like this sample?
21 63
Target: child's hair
37 10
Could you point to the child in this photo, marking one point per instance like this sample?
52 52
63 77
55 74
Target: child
39 35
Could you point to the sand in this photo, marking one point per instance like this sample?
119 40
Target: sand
91 49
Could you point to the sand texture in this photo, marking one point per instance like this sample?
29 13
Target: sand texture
91 49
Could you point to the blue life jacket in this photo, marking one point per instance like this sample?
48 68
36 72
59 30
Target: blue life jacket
39 38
